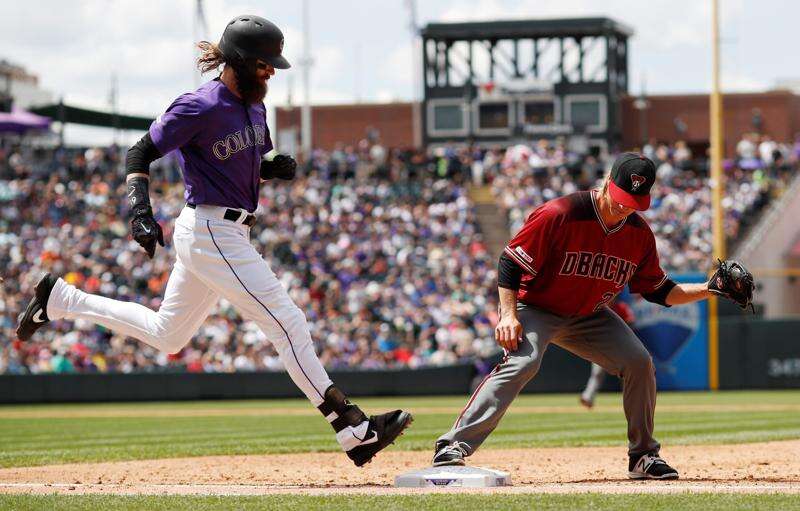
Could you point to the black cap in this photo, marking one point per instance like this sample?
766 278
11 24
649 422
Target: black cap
250 37
632 176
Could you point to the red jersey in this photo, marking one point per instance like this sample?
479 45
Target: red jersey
574 264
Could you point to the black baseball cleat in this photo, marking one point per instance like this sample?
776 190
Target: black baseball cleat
448 454
650 466
381 432
35 315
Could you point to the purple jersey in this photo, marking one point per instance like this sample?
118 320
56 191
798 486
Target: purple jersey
219 142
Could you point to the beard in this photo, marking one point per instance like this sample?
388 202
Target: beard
250 87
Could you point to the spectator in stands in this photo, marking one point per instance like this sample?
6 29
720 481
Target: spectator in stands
747 151
371 260
768 150
682 155
681 212
390 272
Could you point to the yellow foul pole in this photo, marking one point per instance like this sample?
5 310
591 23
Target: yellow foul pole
717 152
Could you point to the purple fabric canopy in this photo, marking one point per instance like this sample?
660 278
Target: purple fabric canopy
20 121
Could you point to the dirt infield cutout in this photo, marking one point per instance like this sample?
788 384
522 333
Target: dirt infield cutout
743 468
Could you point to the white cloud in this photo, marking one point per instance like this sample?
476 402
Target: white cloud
76 46
663 24
732 81
398 67
79 46
386 96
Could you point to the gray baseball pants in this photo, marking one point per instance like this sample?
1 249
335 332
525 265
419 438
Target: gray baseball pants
602 338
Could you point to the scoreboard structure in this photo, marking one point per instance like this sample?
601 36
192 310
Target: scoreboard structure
521 80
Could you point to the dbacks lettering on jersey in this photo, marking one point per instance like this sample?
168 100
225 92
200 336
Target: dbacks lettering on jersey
573 262
598 266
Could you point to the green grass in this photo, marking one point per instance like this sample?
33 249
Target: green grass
689 502
83 434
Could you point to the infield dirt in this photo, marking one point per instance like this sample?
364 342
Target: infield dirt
749 468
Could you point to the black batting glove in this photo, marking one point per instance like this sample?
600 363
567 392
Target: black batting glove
281 167
146 231
144 228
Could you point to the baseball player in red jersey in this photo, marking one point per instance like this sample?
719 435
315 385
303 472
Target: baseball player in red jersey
556 278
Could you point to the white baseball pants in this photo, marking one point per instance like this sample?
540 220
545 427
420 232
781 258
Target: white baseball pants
214 259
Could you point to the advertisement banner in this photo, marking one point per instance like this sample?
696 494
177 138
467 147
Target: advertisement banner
677 339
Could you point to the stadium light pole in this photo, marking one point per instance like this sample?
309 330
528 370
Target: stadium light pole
416 74
199 33
717 179
306 61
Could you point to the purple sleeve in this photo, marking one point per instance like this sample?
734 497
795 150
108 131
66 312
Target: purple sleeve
176 127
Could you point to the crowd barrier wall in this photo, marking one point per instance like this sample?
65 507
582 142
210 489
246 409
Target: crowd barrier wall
759 353
754 353
60 388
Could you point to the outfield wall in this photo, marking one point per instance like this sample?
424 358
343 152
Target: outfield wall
759 353
754 353
53 388
562 373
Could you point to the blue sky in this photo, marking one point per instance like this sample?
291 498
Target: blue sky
362 49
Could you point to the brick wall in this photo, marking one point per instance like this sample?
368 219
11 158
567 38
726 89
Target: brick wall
780 113
349 123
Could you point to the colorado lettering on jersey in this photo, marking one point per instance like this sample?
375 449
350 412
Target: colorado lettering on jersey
598 266
238 141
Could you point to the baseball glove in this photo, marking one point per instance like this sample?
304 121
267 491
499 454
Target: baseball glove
734 282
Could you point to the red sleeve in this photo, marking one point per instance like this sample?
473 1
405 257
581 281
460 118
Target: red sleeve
648 276
530 246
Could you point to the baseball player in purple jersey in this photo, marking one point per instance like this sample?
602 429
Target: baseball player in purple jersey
220 134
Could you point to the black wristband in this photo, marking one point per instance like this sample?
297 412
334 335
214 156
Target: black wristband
265 170
659 296
509 274
139 196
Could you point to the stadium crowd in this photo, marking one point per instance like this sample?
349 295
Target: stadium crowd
380 248
389 273
680 214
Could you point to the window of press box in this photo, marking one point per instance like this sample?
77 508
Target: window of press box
493 116
585 113
539 112
448 117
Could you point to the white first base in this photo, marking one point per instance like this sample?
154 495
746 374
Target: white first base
466 477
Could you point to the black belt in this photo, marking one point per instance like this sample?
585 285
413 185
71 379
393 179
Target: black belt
233 215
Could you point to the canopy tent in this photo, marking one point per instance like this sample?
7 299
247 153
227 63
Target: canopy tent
20 121
85 116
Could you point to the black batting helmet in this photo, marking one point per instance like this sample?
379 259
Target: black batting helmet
250 37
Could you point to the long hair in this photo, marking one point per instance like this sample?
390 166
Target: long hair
247 83
606 180
210 57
